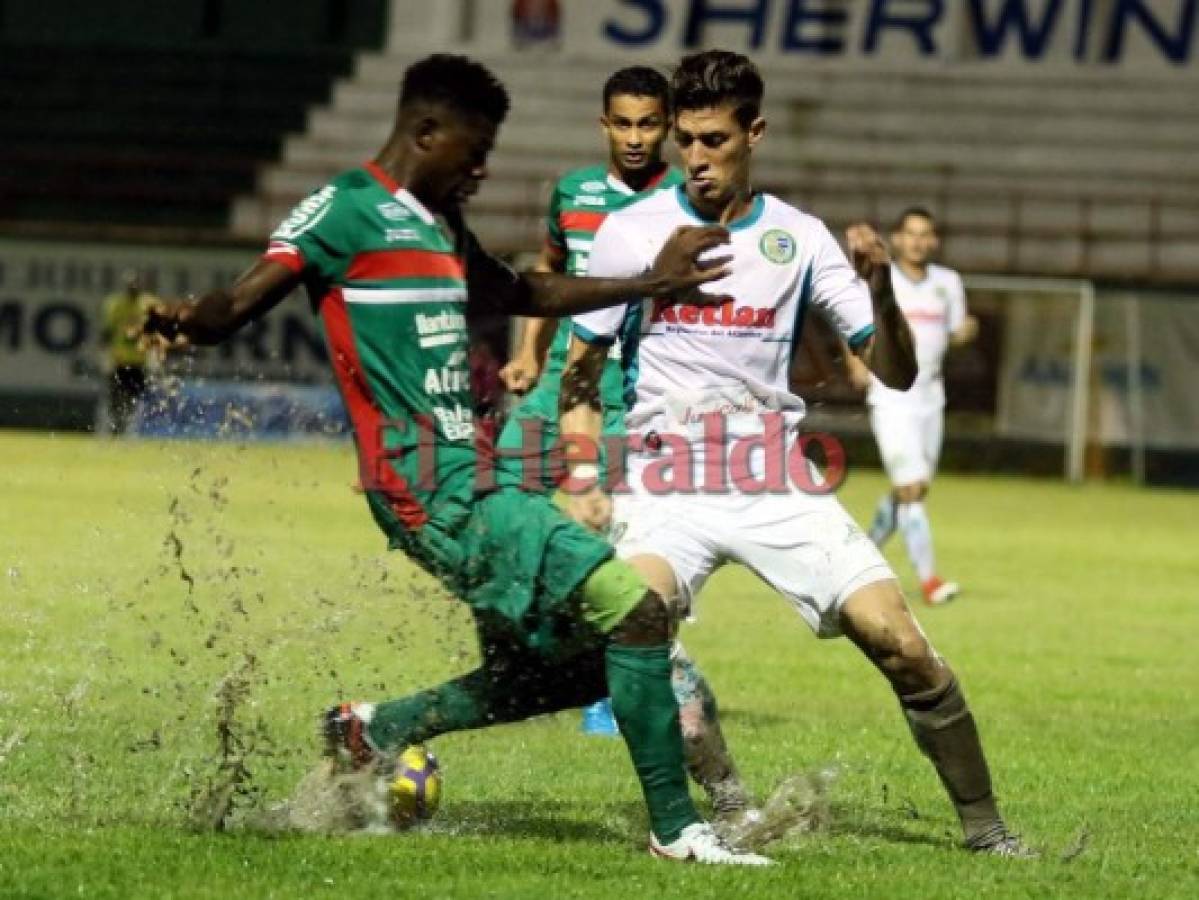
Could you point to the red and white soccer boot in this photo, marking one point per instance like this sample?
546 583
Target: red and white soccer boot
937 591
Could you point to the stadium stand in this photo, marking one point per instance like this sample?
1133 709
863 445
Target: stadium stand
147 116
149 139
1093 178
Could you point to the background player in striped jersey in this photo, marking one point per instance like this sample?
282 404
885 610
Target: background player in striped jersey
908 425
392 270
699 380
636 123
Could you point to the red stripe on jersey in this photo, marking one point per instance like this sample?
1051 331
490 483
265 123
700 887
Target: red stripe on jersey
924 315
285 255
657 178
576 220
382 177
405 264
365 415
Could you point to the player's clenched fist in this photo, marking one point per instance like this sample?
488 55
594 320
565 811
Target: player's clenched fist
162 328
869 256
520 374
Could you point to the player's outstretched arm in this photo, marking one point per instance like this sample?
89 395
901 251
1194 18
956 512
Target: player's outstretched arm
218 314
890 353
677 272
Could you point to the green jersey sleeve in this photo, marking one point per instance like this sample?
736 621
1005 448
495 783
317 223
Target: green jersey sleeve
314 240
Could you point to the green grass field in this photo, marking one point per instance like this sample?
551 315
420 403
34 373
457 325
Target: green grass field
135 577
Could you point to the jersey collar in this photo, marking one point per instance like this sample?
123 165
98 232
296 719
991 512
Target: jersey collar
394 188
620 187
746 221
896 269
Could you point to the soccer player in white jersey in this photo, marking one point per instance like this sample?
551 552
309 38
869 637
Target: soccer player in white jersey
908 425
698 379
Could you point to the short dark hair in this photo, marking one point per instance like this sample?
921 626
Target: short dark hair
919 212
460 83
716 77
638 81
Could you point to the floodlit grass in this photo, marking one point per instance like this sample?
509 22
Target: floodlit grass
135 577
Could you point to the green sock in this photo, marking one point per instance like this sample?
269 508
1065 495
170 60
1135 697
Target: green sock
453 706
645 708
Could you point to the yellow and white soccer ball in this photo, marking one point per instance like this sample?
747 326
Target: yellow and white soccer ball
415 788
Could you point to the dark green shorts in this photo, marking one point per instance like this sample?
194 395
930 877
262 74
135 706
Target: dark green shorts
527 570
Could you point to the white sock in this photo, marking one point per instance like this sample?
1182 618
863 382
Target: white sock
883 525
918 536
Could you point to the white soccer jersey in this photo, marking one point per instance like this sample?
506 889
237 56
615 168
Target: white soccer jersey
682 362
934 308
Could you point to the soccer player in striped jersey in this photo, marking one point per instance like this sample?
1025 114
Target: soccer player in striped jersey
706 386
635 123
392 271
908 425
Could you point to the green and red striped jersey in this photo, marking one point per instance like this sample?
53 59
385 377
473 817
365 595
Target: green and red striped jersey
581 201
389 283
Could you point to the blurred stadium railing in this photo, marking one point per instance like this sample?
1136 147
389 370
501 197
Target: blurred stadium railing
1056 141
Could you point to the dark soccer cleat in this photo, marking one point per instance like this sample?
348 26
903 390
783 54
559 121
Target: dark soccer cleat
344 730
1001 842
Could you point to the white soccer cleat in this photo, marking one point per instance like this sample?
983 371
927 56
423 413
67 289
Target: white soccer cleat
700 843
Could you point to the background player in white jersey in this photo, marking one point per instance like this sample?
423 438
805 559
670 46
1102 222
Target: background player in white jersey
698 378
908 425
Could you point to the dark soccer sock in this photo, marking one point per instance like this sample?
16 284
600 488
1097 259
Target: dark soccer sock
944 729
709 761
645 709
453 706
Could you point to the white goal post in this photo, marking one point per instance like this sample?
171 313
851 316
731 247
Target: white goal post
1050 290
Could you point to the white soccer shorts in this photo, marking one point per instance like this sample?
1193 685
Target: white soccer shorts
805 546
909 441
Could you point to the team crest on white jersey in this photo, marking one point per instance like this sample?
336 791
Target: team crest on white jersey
778 246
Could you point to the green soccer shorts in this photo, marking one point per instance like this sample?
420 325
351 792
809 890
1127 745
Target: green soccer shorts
529 573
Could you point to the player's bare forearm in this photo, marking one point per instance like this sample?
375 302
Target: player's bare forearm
541 335
579 407
219 313
856 371
677 272
556 296
891 352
